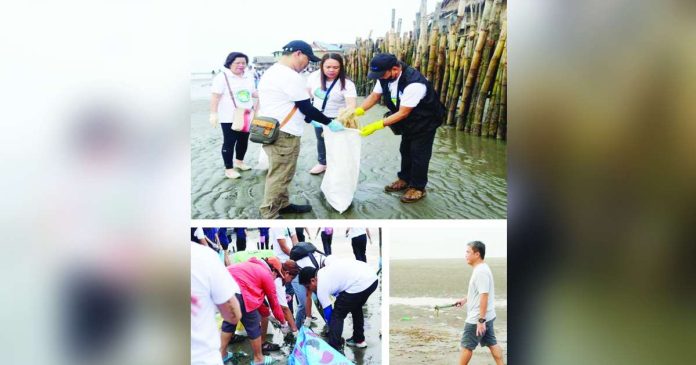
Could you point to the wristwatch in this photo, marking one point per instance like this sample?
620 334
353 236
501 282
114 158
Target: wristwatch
482 320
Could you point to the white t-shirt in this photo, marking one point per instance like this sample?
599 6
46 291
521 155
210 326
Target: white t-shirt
343 275
280 292
306 261
410 97
280 87
337 97
481 282
199 233
243 87
274 234
211 284
356 232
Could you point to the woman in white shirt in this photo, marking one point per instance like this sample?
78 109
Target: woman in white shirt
233 82
341 95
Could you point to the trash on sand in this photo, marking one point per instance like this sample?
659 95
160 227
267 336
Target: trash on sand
405 318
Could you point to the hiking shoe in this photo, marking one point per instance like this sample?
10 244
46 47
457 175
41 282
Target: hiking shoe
294 208
397 185
232 174
352 343
413 195
317 169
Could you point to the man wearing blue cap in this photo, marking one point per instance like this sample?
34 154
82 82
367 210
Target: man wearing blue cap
280 90
415 112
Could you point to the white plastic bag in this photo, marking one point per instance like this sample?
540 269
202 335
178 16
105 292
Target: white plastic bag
342 167
262 164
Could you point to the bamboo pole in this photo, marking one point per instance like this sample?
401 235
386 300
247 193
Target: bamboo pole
422 34
495 113
432 53
465 61
488 79
475 62
459 71
440 66
492 112
502 121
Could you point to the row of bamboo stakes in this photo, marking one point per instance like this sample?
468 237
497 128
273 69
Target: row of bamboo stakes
466 64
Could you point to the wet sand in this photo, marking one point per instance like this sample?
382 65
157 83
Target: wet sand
467 177
372 354
417 335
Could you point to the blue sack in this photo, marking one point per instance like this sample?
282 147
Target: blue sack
310 349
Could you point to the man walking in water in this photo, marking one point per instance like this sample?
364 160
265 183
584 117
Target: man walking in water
479 301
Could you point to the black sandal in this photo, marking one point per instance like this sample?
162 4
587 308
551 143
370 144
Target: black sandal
267 346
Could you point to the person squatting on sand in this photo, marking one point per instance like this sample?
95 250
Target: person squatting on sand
232 88
480 307
415 113
352 282
281 89
330 91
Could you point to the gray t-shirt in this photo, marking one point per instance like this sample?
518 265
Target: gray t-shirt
481 282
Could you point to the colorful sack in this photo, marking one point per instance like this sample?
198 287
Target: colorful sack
310 349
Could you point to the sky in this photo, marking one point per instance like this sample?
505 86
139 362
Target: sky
448 242
258 27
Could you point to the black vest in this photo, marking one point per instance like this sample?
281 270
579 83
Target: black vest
426 116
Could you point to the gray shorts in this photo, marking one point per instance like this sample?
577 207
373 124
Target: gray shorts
470 340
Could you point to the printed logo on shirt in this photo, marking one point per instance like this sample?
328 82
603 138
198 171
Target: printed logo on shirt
243 96
319 93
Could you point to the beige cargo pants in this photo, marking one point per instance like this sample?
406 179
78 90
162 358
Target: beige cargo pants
282 161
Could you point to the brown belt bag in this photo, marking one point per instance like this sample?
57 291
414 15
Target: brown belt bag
265 130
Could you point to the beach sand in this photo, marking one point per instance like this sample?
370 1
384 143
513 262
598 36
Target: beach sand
467 177
417 335
371 355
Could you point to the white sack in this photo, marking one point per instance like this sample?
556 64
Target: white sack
342 167
262 164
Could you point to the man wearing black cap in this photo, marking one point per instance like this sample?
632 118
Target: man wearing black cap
281 88
415 112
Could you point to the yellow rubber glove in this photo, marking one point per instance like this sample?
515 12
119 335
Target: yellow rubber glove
359 112
371 128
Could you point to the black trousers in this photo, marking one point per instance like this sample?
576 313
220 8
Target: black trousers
326 241
241 243
349 303
233 140
359 246
416 151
